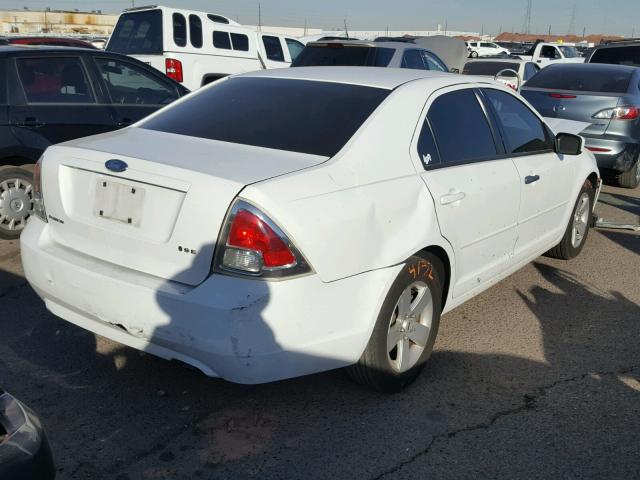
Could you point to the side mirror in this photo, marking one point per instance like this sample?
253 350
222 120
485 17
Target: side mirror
569 144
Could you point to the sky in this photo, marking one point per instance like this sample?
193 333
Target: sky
619 17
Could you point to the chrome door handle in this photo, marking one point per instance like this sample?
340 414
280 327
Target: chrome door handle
531 179
450 198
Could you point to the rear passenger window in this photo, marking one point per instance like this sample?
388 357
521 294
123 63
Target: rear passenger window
273 48
240 42
222 40
413 59
195 31
461 129
523 131
54 80
295 47
130 85
179 30
433 63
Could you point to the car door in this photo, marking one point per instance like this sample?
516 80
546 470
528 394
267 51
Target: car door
133 91
54 101
273 52
548 55
544 175
475 189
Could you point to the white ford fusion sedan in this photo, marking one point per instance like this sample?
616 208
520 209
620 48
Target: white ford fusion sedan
281 223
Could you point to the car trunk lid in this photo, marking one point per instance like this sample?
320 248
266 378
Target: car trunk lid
162 213
572 105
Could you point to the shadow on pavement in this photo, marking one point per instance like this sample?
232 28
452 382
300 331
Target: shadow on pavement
113 412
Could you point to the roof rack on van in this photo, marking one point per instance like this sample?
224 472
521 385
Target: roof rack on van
144 7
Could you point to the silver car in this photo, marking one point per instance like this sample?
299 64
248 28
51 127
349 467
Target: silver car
607 97
356 53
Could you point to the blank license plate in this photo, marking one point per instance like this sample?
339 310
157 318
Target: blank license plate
119 202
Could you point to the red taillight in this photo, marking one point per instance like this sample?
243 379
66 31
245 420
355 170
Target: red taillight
38 201
598 149
624 112
249 232
173 68
561 95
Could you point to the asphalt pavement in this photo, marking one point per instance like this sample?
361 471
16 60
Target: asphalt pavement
538 377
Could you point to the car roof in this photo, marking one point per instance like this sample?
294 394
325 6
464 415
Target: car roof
378 77
395 45
596 67
501 60
9 49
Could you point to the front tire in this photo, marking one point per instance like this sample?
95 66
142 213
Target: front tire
630 179
406 328
16 201
577 231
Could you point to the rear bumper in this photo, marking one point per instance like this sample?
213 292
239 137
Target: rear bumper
242 330
620 155
25 453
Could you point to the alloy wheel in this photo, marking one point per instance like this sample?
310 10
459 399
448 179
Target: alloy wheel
580 220
409 327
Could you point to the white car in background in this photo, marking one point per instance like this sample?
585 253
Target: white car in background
286 222
485 49
197 48
510 71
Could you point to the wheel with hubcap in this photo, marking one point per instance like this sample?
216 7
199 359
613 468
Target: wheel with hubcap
406 328
575 235
16 201
474 54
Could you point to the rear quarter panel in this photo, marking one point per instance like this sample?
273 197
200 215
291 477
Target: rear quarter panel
366 208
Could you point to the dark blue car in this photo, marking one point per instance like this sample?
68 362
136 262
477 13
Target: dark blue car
50 95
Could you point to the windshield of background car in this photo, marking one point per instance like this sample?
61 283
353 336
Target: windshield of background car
618 56
602 80
343 55
137 33
569 52
311 117
490 68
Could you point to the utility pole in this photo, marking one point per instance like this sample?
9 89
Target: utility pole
259 17
482 30
346 29
446 27
549 30
305 27
526 26
572 23
584 31
133 3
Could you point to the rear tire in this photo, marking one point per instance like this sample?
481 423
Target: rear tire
16 201
575 236
630 179
474 55
406 328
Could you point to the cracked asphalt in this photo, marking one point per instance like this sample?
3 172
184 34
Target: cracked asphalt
539 377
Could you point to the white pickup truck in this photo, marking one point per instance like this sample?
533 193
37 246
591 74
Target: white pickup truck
545 54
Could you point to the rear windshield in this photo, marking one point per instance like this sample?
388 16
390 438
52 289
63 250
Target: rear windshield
137 33
490 68
344 56
302 116
618 55
582 79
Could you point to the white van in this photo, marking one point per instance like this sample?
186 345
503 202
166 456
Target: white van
196 48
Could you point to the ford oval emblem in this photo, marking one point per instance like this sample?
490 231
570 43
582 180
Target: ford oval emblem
116 165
